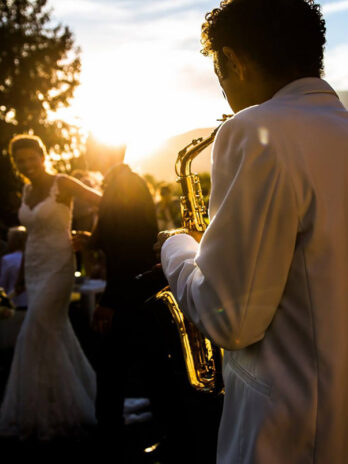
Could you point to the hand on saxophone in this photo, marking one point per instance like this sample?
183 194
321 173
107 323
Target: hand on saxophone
165 234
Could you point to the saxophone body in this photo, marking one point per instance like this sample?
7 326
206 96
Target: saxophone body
203 360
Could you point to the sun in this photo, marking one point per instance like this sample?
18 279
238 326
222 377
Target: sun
133 99
140 140
125 106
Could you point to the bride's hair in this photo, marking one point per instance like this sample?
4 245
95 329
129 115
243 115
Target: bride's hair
27 141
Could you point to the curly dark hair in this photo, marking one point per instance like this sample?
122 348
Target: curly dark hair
284 37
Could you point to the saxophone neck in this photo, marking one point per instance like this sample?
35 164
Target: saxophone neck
193 209
189 153
194 148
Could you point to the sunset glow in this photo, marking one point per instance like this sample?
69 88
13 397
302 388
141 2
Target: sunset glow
143 78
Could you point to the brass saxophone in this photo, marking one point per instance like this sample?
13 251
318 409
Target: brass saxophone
202 359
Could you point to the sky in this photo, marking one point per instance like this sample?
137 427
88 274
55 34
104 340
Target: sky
143 77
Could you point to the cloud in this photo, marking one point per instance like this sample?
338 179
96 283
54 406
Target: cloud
165 6
158 36
67 7
334 7
89 10
132 11
118 24
336 67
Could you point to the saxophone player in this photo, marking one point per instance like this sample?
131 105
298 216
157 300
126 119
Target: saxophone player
267 282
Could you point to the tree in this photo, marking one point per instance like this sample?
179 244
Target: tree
39 71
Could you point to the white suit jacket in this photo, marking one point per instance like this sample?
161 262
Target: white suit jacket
269 280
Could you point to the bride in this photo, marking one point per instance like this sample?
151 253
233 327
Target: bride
51 388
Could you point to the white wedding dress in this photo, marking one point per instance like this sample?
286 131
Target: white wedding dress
51 388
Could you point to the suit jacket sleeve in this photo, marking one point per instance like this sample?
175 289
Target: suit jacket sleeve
231 284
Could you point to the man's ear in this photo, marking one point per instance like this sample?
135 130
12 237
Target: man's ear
234 62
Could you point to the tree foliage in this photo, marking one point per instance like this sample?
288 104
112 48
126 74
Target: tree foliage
39 71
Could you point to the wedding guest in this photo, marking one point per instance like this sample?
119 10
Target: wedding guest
10 266
167 209
126 232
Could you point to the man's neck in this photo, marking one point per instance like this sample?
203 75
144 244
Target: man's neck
263 89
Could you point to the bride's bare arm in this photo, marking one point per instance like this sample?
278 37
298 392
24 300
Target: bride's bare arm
73 188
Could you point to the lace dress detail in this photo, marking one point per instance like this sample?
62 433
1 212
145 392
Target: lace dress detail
51 388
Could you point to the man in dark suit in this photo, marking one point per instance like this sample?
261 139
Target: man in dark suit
125 232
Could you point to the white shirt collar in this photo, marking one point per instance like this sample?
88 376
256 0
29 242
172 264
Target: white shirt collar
305 86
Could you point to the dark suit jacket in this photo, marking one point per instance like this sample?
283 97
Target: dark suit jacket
126 232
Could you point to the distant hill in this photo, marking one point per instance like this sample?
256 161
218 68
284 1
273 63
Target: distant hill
161 163
344 97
